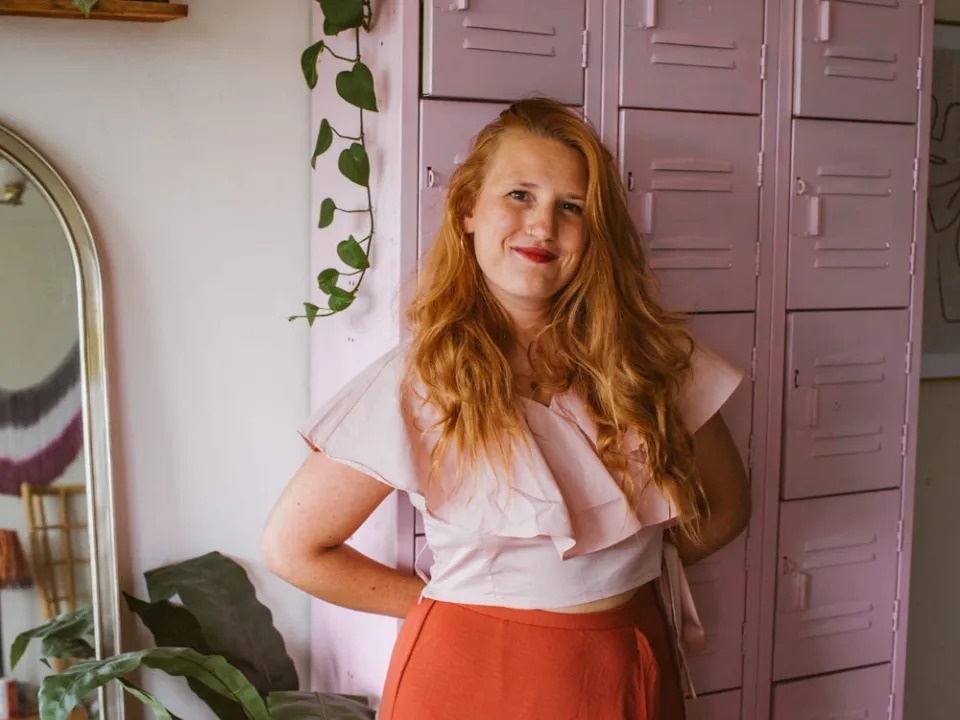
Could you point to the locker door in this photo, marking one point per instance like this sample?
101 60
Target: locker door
718 583
851 217
504 50
836 583
722 706
858 695
691 55
447 130
693 190
844 401
857 59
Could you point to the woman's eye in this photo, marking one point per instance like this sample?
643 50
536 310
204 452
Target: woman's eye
519 194
573 207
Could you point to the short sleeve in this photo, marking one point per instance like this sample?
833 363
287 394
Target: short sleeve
366 427
710 383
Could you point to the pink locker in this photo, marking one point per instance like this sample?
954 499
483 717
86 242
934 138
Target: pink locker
837 581
854 695
720 706
693 190
851 219
692 56
718 583
504 50
844 401
447 130
857 60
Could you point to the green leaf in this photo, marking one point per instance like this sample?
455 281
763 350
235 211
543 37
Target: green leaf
356 87
340 15
308 63
322 706
352 254
324 140
354 164
218 593
159 711
327 208
327 280
340 299
66 648
311 311
64 627
84 6
62 692
174 626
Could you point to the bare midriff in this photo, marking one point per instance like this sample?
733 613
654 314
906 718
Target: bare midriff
607 603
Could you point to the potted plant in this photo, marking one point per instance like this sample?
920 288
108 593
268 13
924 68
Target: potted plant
219 637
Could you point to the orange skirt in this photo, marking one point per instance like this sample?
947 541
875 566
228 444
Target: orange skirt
466 662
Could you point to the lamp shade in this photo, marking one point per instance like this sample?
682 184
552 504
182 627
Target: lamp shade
14 570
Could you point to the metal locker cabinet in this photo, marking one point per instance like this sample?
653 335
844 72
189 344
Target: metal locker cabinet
447 130
851 215
693 190
857 694
721 706
718 583
836 583
504 50
857 59
691 55
845 387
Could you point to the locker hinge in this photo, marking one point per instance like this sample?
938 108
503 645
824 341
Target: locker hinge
896 614
900 535
584 45
756 263
891 696
749 467
903 439
913 257
763 61
909 356
916 173
760 169
919 72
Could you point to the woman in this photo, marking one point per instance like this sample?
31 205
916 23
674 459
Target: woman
552 423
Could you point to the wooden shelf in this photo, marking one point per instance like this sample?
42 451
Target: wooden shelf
130 10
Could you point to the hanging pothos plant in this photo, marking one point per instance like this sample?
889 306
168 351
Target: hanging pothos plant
355 85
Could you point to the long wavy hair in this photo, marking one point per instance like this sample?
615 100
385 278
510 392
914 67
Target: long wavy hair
605 336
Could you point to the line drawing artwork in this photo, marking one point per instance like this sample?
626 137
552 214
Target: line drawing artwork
943 203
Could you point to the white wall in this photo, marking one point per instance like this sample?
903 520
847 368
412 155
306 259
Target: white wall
188 144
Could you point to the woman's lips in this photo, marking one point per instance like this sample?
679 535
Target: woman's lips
537 255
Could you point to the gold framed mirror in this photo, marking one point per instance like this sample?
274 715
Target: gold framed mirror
57 538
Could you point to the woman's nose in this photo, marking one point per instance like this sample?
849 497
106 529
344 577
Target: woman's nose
541 222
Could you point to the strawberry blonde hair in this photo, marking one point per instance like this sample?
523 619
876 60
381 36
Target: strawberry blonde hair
605 336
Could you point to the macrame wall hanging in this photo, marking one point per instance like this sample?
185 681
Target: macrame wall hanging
41 427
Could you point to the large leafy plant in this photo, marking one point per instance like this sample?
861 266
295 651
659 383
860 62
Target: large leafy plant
355 86
219 637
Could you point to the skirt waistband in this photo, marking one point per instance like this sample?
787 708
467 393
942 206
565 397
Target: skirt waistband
625 615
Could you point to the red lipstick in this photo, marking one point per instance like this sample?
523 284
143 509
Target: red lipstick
537 255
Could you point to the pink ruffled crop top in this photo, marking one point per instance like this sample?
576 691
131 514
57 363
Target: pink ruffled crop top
561 534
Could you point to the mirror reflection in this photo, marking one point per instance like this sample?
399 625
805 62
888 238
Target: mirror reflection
44 548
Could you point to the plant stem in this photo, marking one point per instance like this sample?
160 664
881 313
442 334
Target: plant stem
341 57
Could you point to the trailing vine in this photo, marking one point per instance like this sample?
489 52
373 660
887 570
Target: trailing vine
355 85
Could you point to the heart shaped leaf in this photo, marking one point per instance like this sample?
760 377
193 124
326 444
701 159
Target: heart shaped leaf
340 299
340 15
311 312
324 140
356 87
308 63
352 254
327 208
355 165
84 6
327 280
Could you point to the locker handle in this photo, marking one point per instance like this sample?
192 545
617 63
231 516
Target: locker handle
801 582
431 178
649 14
460 5
823 22
647 228
814 214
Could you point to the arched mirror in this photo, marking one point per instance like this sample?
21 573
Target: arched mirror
57 547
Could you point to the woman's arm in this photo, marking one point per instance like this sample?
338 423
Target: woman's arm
303 542
727 489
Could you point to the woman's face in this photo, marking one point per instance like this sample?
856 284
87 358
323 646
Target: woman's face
527 222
